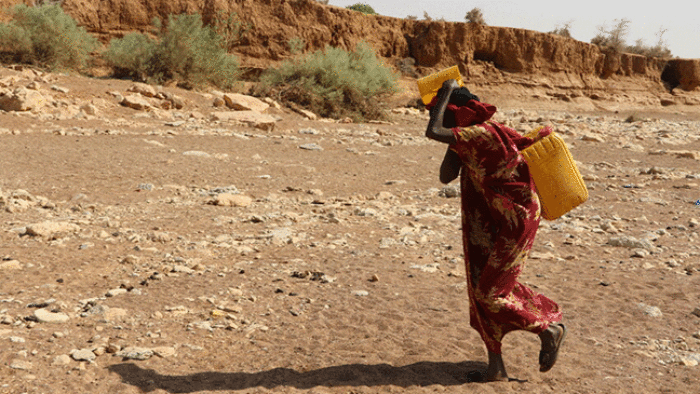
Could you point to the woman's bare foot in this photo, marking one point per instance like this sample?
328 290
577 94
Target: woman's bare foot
496 371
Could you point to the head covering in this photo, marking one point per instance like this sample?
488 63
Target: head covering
464 109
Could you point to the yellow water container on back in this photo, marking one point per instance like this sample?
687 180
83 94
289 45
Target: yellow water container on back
559 184
429 86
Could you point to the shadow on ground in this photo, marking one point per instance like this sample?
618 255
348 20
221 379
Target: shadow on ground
418 374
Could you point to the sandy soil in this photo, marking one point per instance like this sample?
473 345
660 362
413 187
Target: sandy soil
342 271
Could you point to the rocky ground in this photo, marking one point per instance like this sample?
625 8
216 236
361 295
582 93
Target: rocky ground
174 244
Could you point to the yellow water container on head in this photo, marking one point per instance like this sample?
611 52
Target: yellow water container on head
429 86
559 184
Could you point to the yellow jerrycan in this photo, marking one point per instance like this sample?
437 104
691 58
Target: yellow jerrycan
559 184
429 86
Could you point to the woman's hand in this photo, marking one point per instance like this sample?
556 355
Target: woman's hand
435 129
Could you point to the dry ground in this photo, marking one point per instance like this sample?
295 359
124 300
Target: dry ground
344 272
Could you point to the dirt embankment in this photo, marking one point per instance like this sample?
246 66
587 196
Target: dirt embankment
564 63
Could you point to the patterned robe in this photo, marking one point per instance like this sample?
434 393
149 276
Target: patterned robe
500 217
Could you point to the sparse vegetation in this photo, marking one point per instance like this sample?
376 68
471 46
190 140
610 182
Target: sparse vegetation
230 28
614 40
333 82
296 45
363 8
475 16
426 16
407 67
45 36
185 50
564 31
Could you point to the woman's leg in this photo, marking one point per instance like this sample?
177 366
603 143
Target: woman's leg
496 370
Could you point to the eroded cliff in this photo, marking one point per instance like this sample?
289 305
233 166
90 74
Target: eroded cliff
486 54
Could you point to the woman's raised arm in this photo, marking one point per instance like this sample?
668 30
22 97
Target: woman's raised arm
435 129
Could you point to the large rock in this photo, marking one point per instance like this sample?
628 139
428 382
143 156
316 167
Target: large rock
49 229
45 316
136 102
241 102
143 89
232 200
255 119
22 99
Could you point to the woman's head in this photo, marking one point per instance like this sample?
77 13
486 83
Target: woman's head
460 97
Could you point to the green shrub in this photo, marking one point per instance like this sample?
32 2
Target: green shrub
363 8
296 45
45 36
131 56
185 50
333 82
230 28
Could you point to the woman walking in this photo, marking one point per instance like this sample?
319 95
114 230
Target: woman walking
500 217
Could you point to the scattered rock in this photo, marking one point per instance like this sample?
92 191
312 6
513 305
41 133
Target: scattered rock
83 355
143 89
22 365
45 316
135 102
22 99
652 311
241 102
252 118
232 200
61 360
10 265
164 351
312 146
50 229
135 353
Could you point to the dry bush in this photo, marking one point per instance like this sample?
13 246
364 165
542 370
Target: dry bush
475 16
426 16
612 39
660 50
564 31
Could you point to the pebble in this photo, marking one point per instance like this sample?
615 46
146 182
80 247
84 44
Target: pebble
630 242
360 293
61 360
22 365
10 265
164 351
312 146
652 311
116 292
196 153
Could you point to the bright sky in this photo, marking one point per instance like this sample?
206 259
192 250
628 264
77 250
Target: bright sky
680 18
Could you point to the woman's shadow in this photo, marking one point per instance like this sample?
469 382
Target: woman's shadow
418 374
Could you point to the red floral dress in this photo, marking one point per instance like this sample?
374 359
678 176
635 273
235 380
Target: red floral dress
500 217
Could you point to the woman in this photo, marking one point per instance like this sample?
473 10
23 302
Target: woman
500 216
